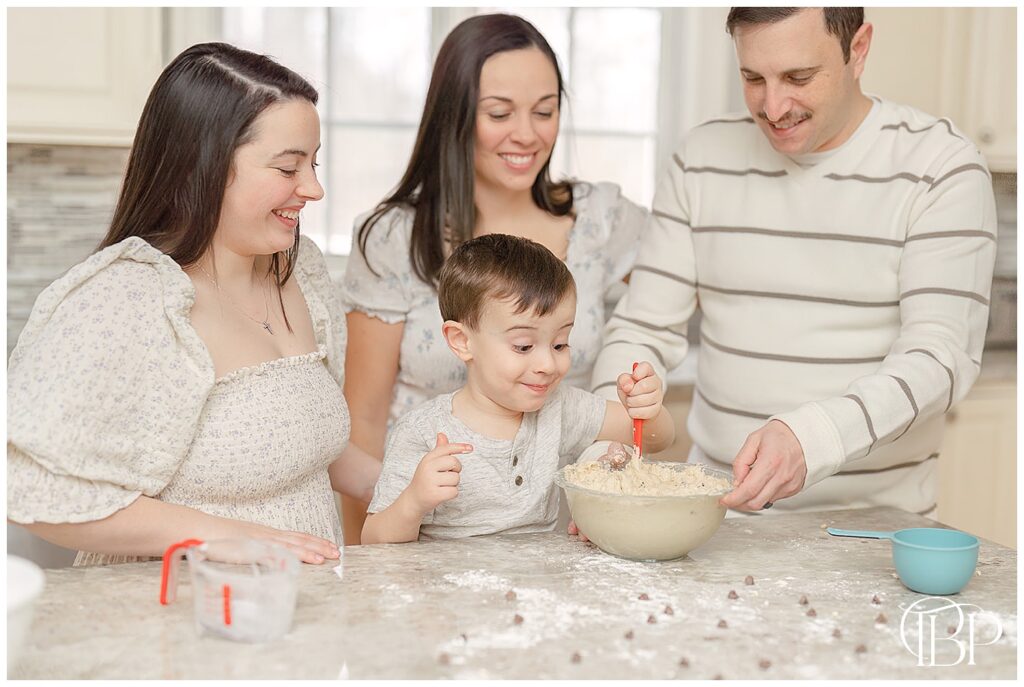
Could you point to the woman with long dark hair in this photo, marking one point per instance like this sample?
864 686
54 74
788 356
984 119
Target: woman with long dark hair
185 380
480 165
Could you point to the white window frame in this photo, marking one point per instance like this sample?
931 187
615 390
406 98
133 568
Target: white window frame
697 78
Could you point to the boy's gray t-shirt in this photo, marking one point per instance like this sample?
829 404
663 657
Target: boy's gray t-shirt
506 485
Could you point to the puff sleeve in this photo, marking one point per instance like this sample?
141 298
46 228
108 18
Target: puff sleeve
379 281
620 222
105 388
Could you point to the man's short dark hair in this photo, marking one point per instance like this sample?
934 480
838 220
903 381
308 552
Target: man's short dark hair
501 267
841 22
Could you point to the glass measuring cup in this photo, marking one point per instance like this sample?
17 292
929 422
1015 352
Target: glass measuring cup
242 589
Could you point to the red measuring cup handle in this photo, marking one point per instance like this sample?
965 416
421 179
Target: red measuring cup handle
169 572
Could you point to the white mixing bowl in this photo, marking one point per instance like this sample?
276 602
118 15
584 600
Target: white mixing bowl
648 528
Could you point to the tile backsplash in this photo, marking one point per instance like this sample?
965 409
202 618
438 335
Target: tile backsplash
1002 319
60 200
1005 186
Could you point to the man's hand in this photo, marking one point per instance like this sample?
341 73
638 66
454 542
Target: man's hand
641 392
770 466
436 479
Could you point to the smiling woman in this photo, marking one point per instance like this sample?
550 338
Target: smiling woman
185 380
481 165
516 122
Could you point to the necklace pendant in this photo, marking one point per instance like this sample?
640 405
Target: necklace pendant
266 325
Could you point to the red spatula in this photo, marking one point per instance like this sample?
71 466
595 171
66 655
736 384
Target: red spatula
638 430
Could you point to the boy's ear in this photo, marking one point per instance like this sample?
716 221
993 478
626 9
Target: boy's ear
458 340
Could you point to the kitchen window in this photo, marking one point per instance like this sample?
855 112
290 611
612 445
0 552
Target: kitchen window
372 67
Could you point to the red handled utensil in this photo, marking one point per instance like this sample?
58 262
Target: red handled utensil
638 430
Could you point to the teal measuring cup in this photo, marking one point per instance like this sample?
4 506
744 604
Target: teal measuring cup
928 560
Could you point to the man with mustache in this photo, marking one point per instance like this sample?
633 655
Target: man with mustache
840 248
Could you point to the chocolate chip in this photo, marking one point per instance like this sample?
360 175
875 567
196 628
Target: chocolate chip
837 634
684 663
765 664
651 620
875 600
748 580
510 595
733 594
717 677
861 649
722 624
803 600
881 619
812 613
518 619
951 630
644 597
576 658
669 611
444 659
465 637
629 635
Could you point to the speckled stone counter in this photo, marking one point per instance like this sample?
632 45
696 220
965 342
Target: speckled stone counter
443 609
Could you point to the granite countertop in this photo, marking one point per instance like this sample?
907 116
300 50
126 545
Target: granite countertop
441 610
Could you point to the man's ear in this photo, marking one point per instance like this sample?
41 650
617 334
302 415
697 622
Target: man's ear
455 334
859 46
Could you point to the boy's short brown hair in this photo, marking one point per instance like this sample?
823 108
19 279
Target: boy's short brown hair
500 267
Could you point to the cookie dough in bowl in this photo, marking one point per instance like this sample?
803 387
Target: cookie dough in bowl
646 510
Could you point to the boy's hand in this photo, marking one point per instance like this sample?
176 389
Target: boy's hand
436 479
641 392
573 529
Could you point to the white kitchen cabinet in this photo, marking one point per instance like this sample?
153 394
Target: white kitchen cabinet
978 463
990 99
955 62
80 75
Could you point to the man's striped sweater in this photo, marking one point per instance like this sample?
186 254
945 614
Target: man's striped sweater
847 298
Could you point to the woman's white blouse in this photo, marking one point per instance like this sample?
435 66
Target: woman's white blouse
111 395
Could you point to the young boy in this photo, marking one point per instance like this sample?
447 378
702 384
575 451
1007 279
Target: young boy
508 305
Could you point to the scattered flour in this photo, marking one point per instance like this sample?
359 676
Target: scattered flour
478 580
547 617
